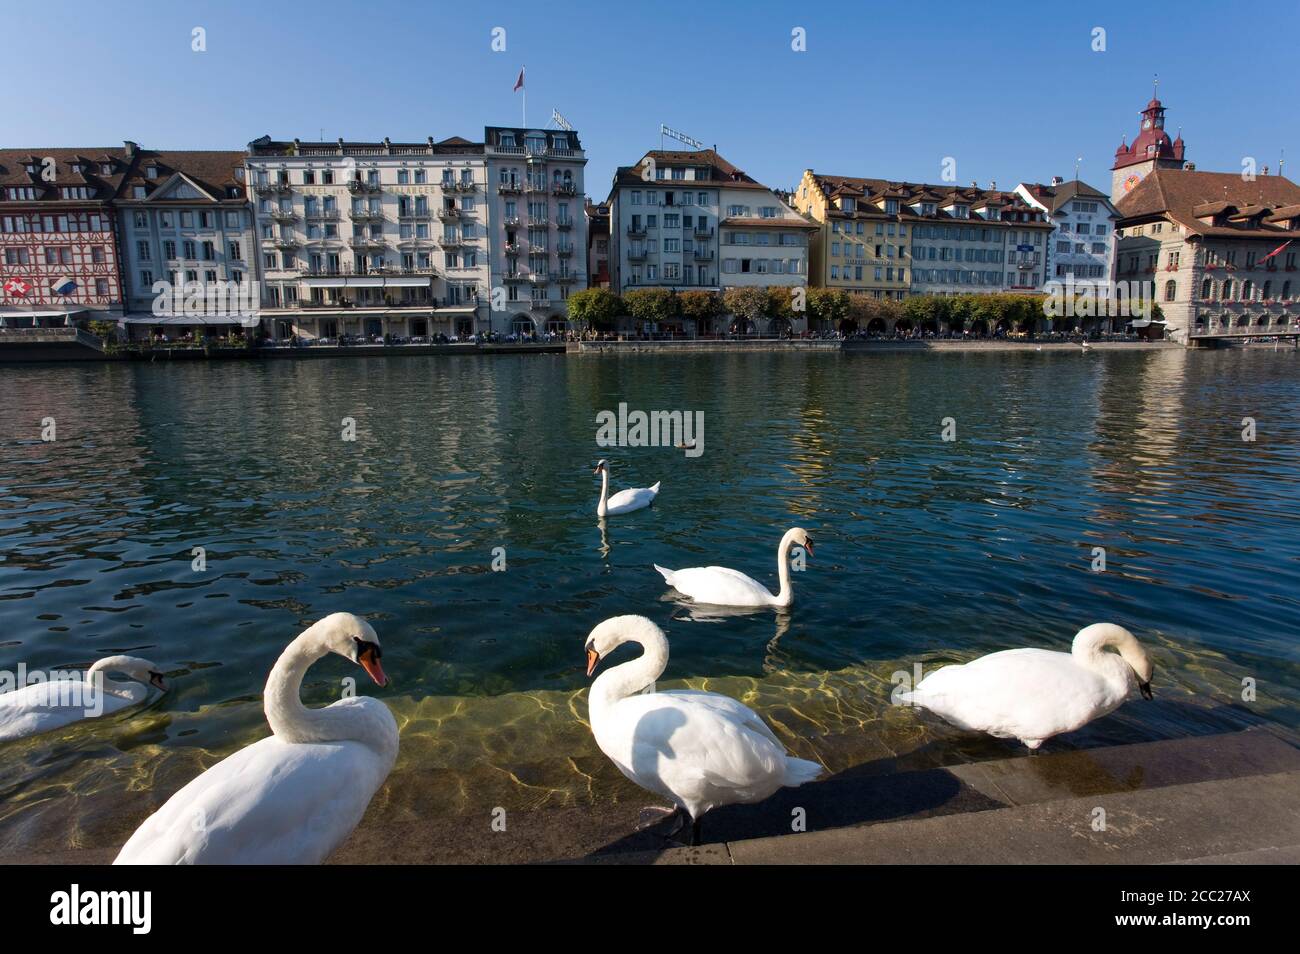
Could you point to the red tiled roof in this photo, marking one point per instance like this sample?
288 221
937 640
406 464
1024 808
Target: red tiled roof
1185 196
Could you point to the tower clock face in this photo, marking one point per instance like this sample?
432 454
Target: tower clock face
1131 181
1146 124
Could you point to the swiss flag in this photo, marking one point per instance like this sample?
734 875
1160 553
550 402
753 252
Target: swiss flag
519 83
17 287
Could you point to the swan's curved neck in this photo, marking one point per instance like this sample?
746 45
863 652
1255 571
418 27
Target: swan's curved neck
1089 650
97 676
282 700
786 594
631 677
604 491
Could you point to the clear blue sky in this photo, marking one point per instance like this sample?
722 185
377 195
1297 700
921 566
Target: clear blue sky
1013 91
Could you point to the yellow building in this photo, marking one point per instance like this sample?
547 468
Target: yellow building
860 247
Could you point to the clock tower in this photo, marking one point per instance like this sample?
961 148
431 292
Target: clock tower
1151 149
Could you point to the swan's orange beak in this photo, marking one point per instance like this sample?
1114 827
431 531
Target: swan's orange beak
369 659
808 547
593 657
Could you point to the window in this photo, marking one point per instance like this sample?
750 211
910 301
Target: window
142 250
1171 290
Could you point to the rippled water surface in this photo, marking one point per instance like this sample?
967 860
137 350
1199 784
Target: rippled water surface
927 551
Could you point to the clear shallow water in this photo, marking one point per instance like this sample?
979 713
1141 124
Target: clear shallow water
927 551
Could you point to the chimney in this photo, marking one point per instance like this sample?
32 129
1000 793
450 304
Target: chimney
1191 167
993 185
130 147
1057 180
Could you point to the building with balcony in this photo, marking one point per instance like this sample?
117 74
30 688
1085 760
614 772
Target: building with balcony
690 220
1082 244
1220 250
186 228
538 238
892 239
59 243
371 238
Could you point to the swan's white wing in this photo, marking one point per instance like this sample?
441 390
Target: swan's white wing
1028 694
720 585
44 706
635 498
273 802
697 749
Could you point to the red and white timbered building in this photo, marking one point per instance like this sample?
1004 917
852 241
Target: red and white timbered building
59 257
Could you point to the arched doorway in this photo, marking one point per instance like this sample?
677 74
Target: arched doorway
850 327
930 327
780 327
903 326
742 326
557 325
979 328
1002 327
876 327
522 325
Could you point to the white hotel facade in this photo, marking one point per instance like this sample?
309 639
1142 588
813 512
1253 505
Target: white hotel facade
374 239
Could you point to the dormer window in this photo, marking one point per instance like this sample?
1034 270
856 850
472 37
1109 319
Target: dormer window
927 208
508 139
151 172
848 205
31 168
994 214
961 211
891 206
105 168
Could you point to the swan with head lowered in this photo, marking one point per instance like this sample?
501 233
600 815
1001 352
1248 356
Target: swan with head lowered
54 703
292 797
697 749
1034 694
721 586
625 501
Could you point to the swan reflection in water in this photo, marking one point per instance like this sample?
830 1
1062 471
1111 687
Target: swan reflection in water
773 660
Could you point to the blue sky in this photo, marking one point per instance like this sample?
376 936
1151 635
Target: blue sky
1012 91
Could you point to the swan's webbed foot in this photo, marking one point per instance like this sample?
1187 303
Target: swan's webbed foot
652 815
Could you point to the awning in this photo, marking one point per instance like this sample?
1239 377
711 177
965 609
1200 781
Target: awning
245 321
325 282
407 282
364 282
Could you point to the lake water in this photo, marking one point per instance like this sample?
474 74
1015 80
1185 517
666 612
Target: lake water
927 551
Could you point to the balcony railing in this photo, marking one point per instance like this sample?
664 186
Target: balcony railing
356 185
273 188
564 278
283 215
564 251
509 188
283 241
635 256
365 241
564 188
451 241
447 214
564 223
359 215
512 248
636 230
326 214
534 250
450 186
703 255
515 277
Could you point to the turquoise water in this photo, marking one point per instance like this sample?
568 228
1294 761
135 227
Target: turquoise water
926 551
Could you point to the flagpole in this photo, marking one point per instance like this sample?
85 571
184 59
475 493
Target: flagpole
524 73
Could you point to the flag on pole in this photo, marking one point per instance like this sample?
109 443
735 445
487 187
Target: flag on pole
519 83
1276 250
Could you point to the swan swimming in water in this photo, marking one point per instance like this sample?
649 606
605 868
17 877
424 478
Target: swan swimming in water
292 797
1034 694
625 501
721 586
697 749
52 704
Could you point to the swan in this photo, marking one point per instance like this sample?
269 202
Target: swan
625 501
292 797
1034 694
723 587
698 749
52 704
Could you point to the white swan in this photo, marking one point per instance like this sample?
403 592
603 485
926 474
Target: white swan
1034 694
52 704
723 587
625 501
698 749
292 797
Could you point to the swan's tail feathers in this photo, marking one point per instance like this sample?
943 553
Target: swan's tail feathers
666 573
798 771
654 488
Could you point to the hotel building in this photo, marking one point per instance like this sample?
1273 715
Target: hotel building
537 229
58 235
690 220
891 239
1082 244
371 238
185 220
